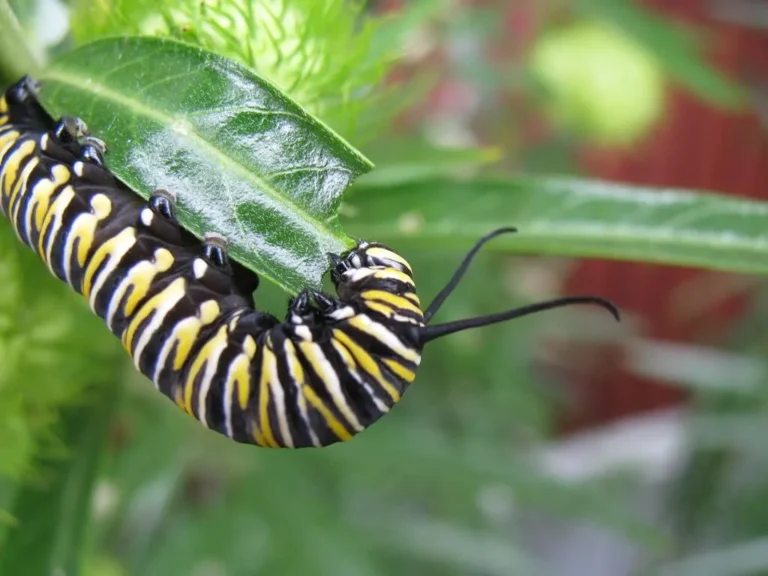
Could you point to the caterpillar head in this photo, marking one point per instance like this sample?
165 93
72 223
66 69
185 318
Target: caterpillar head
365 255
352 267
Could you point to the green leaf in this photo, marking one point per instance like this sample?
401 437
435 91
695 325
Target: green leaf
451 545
52 514
400 160
677 50
244 160
736 560
573 217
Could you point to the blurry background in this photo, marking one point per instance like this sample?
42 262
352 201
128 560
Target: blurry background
560 444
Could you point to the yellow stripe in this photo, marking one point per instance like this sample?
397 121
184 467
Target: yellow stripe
142 271
349 362
200 360
367 362
43 191
413 298
142 277
259 437
377 252
103 253
23 185
240 378
392 299
7 138
85 229
381 308
179 399
249 345
241 372
209 354
268 359
186 334
297 375
315 355
400 370
336 426
173 290
384 335
12 163
13 182
3 105
346 357
57 210
393 274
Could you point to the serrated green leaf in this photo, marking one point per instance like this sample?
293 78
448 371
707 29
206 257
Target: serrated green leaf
571 217
325 54
52 516
244 160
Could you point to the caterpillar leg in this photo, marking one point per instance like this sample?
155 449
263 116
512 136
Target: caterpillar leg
325 304
163 202
70 129
215 249
299 305
94 150
159 217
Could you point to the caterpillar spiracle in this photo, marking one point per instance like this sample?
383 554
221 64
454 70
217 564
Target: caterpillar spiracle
184 311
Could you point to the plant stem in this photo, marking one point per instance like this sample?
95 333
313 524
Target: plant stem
16 57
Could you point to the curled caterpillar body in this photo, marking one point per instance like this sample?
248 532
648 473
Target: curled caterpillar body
185 312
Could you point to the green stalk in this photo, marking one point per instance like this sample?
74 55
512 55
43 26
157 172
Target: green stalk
16 57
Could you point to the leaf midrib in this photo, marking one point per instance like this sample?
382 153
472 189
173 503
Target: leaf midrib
78 82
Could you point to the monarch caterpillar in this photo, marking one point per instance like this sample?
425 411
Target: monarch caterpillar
185 313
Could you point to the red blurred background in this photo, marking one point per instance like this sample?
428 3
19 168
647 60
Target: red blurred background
695 146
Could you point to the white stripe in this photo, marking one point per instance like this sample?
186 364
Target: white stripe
334 387
158 316
146 217
170 341
279 398
113 261
211 365
379 404
388 338
68 194
122 288
8 146
301 399
199 267
342 313
23 191
227 397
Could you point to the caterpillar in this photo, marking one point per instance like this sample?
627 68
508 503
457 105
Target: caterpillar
184 311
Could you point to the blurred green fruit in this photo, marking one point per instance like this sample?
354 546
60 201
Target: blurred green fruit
599 83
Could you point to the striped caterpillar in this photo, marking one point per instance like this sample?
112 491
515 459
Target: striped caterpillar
184 311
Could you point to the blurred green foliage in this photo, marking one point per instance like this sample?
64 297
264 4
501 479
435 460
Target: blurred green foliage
443 484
